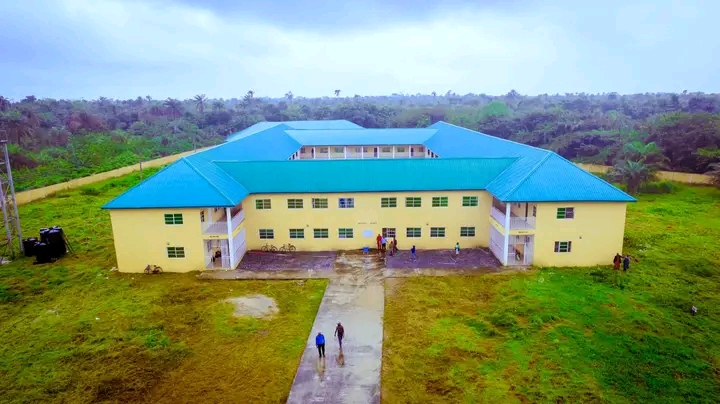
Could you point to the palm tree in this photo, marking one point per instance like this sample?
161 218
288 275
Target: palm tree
248 99
289 95
4 104
200 101
175 107
218 106
649 154
16 127
633 174
337 93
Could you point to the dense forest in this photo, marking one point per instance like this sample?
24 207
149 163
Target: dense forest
52 140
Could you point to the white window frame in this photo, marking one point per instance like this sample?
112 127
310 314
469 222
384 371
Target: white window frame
565 211
388 202
437 232
176 252
321 232
174 221
263 204
296 234
346 232
389 232
440 200
317 203
413 234
467 231
414 199
559 247
266 234
295 203
346 203
470 201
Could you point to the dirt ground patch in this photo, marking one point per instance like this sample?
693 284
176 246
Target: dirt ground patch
253 306
468 258
268 261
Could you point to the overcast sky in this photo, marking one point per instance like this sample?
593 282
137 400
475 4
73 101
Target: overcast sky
222 48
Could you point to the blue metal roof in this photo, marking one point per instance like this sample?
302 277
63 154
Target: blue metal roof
361 137
366 175
261 126
224 175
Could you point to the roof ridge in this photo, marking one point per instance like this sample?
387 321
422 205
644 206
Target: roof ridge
210 182
529 172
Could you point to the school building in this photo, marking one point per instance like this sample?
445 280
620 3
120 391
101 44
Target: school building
333 185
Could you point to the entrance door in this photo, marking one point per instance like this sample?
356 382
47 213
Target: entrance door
375 152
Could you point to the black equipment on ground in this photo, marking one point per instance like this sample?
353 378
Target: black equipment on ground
53 244
29 246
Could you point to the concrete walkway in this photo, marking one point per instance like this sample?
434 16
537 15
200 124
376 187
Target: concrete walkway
355 297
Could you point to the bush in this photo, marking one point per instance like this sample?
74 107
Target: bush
658 187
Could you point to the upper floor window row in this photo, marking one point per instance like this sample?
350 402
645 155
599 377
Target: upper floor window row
564 213
173 218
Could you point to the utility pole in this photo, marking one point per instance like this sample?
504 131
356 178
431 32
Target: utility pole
11 217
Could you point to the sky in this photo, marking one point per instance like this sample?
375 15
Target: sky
223 48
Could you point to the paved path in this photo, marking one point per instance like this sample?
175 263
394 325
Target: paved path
356 297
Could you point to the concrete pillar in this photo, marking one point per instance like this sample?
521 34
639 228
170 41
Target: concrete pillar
345 151
506 247
313 151
231 247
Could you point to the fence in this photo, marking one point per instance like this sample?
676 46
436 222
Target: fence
687 178
40 193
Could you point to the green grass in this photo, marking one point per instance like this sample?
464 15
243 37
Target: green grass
571 335
74 332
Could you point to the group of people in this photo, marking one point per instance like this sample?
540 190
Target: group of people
624 260
382 243
320 339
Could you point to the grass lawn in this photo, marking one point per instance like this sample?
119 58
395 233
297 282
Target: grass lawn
74 332
571 335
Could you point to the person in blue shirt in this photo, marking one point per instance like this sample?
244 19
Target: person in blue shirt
320 342
412 251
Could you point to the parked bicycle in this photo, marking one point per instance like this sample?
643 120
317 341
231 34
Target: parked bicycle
153 269
287 248
268 247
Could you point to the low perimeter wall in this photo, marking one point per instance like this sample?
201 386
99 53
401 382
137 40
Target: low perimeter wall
687 178
40 193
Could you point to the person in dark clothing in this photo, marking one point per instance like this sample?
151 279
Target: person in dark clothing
339 333
395 249
379 242
320 342
617 261
412 253
626 263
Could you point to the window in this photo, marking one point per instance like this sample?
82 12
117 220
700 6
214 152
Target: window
388 202
439 201
173 218
295 203
302 150
176 252
467 232
339 150
320 233
345 233
323 150
566 213
400 150
319 203
345 203
202 216
534 211
297 233
413 202
358 150
388 232
470 201
262 204
563 246
421 149
387 149
437 232
266 234
365 149
413 232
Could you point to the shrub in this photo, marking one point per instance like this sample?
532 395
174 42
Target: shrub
658 187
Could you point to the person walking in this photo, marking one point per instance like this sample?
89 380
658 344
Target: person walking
457 248
395 248
617 261
378 239
412 253
384 244
339 333
320 342
626 263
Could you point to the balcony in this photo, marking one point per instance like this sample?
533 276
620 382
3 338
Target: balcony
221 227
516 222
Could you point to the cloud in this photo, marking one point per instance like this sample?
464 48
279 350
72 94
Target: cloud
164 48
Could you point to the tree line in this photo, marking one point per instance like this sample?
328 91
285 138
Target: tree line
53 140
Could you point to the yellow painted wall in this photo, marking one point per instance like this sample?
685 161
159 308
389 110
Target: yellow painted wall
596 233
141 238
40 193
367 214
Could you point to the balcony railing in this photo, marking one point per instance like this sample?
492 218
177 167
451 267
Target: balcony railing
220 227
516 222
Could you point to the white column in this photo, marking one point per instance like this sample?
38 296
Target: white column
393 151
506 248
345 151
362 152
408 149
313 153
231 248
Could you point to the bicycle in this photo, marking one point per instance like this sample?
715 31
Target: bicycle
153 269
268 247
287 248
